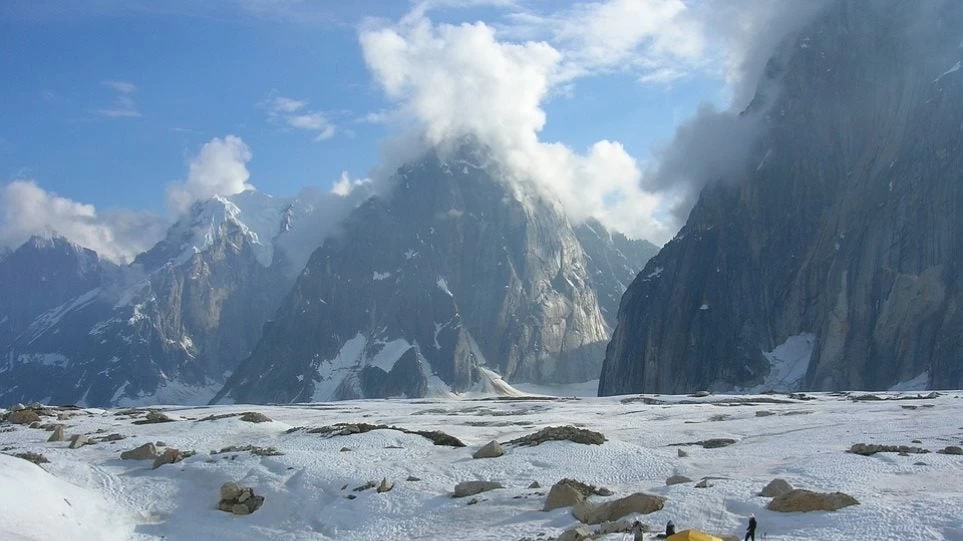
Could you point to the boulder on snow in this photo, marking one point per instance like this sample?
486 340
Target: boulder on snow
470 488
58 434
704 483
255 417
578 533
951 450
775 488
802 501
677 480
144 452
869 449
682 454
239 500
169 456
562 495
23 417
78 440
491 449
153 417
385 485
639 502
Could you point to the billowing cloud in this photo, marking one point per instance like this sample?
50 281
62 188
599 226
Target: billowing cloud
489 82
457 81
294 113
220 168
26 209
123 105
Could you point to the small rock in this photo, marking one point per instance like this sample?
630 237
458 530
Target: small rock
534 485
246 494
23 417
153 417
491 450
169 456
704 483
618 526
775 488
952 450
385 486
802 501
603 492
701 394
472 501
345 449
351 496
255 417
677 480
230 491
144 452
78 440
58 434
682 454
764 413
916 441
413 478
578 533
160 444
115 437
240 509
919 464
470 488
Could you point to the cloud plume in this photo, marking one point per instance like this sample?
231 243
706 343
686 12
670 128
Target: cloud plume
220 168
452 81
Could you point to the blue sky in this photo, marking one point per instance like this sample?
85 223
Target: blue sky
106 102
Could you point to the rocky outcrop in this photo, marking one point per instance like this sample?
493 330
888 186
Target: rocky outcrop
144 452
803 501
838 239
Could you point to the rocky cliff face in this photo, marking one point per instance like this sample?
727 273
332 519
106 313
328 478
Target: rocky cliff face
452 273
833 262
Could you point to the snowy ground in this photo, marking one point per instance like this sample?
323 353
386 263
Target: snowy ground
89 493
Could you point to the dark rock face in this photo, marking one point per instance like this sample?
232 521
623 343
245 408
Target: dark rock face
844 227
42 274
453 273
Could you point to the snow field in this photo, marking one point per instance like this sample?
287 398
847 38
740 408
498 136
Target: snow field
803 442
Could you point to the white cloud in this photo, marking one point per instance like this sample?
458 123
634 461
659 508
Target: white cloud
218 169
123 105
345 184
26 209
294 114
455 81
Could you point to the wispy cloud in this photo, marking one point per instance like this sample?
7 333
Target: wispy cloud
294 113
123 105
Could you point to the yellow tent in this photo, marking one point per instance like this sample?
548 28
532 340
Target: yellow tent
692 535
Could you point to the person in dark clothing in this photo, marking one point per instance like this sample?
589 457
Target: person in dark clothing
638 532
670 529
751 530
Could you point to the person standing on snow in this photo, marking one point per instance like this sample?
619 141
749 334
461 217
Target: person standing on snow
670 529
751 530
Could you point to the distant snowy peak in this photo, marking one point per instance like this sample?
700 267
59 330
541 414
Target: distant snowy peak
257 216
